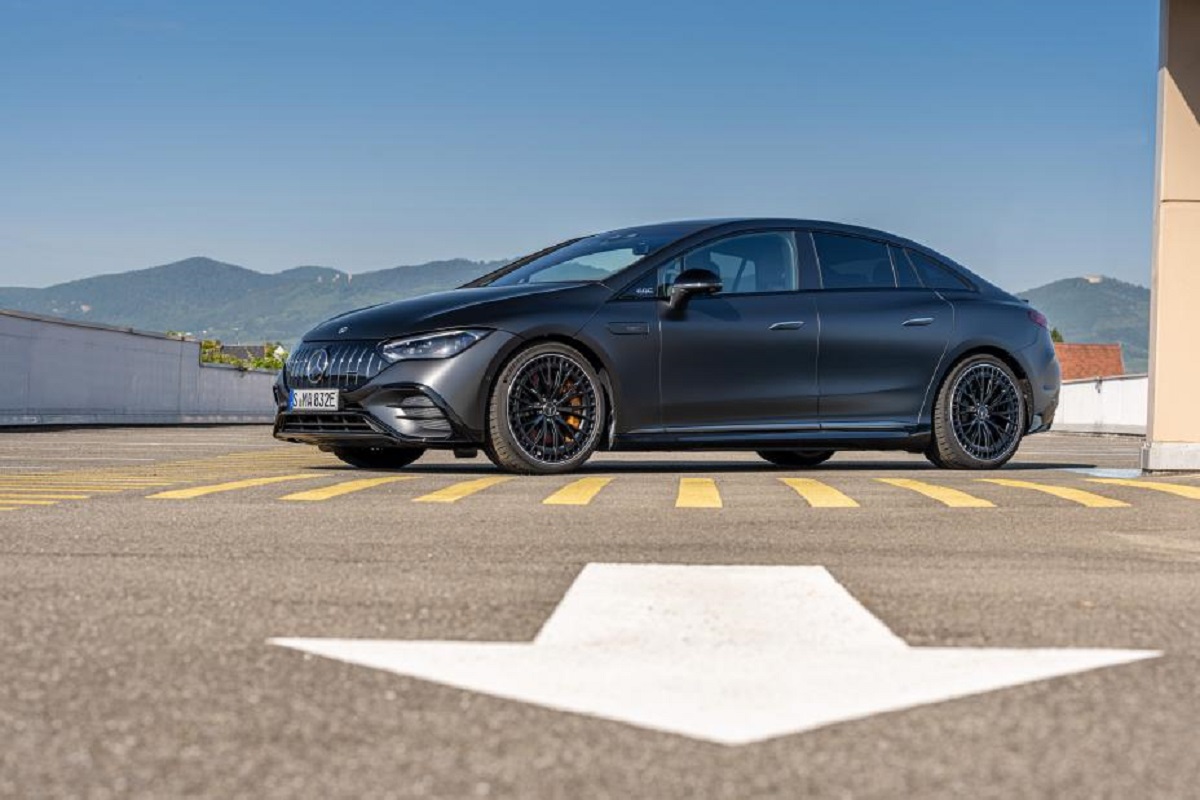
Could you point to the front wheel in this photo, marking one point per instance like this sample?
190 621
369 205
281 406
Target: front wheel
378 457
796 458
546 412
978 417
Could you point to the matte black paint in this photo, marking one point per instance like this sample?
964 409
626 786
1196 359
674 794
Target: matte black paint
837 369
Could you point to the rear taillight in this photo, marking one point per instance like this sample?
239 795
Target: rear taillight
1039 319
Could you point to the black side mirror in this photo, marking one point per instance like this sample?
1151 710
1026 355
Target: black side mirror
690 282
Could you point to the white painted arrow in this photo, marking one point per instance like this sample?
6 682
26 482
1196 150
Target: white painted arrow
728 654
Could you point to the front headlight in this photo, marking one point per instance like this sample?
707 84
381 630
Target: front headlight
443 344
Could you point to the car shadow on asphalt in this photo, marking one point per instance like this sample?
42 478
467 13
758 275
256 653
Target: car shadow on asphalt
483 467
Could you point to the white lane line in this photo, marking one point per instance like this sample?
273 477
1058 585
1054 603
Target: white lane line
1106 472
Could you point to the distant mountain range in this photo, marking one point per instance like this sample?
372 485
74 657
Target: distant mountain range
1099 309
210 299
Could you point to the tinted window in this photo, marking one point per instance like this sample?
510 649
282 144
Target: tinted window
934 275
748 264
593 258
848 262
906 276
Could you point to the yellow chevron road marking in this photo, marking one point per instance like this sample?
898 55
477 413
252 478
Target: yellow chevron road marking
78 486
98 476
30 502
68 489
457 491
1065 492
6 496
91 481
135 482
201 491
56 487
577 493
344 488
1192 492
818 494
698 493
943 494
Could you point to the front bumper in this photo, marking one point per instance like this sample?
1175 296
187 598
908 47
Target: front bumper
433 403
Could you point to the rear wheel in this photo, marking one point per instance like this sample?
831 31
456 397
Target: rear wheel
546 412
378 457
796 458
978 417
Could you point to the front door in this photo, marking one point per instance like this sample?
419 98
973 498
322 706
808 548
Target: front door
744 359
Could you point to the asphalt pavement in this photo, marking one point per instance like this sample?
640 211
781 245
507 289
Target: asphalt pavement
145 572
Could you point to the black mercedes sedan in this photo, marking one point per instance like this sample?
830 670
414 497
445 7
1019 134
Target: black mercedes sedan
790 338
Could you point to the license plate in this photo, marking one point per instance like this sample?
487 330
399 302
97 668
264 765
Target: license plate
313 400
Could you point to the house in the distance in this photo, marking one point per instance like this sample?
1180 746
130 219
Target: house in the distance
1087 361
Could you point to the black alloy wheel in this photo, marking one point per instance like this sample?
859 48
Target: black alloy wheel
796 458
979 416
547 411
378 457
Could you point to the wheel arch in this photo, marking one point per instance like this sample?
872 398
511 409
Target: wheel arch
597 363
978 349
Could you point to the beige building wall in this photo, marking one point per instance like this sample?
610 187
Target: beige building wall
1173 437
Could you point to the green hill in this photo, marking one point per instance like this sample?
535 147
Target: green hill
211 299
1098 309
216 300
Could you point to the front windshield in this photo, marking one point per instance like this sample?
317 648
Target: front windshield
592 258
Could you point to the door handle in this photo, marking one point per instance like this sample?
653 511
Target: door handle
917 322
794 325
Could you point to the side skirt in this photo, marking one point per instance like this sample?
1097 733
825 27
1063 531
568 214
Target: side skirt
913 439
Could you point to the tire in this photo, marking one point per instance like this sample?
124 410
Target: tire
979 416
546 412
796 458
932 455
378 457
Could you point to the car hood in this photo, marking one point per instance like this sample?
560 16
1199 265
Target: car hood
484 306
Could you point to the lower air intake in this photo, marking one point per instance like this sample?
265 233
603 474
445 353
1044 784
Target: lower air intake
326 423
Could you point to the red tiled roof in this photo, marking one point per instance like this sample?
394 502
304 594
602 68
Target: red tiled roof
1089 360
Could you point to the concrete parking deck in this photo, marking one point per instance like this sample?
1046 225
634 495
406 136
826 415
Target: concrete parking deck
144 571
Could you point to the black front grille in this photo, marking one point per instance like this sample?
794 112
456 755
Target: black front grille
351 364
341 422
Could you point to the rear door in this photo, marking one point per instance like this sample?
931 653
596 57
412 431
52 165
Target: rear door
883 334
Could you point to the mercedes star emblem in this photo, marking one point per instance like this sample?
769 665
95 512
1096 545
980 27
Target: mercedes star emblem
318 362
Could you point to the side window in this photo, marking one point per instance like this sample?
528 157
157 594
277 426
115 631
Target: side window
747 264
848 262
906 276
934 275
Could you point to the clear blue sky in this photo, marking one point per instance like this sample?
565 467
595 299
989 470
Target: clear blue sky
1015 136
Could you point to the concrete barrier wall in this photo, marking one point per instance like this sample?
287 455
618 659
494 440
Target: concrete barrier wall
56 372
1103 405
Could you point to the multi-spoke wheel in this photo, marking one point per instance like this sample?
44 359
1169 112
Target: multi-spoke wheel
547 411
979 416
